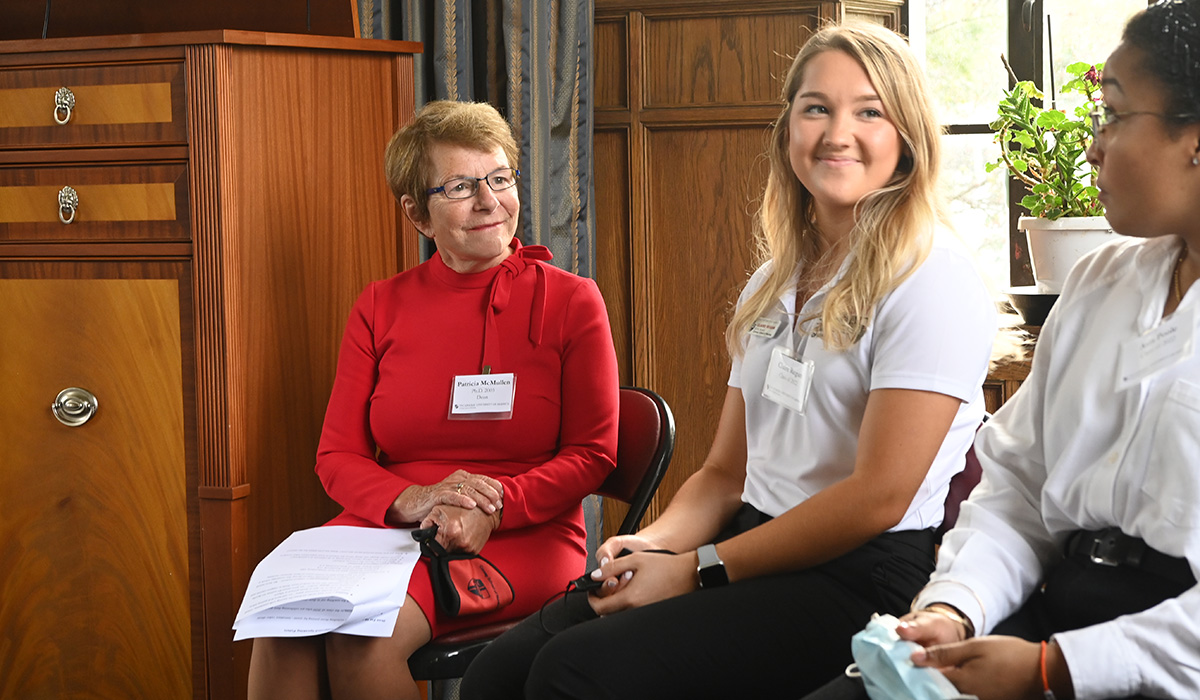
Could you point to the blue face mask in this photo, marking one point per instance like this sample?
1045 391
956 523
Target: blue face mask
883 660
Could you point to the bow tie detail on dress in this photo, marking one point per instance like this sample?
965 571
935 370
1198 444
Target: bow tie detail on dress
511 268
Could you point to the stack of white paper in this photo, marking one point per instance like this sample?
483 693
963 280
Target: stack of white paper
351 580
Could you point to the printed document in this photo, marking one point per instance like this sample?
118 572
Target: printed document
344 579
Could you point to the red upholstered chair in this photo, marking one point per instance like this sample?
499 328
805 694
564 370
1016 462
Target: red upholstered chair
960 487
645 441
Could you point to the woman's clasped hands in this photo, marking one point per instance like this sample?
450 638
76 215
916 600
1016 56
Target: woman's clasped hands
466 508
635 571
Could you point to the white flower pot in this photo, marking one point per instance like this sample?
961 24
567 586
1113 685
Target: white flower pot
1055 246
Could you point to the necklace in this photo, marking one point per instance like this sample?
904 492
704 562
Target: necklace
1175 277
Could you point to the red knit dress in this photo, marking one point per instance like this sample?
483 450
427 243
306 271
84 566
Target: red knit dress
406 340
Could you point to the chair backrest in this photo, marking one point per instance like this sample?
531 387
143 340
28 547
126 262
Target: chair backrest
961 486
645 442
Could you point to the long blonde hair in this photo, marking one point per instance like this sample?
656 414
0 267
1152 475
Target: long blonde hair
893 226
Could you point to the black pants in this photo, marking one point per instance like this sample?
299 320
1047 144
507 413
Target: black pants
1077 594
770 637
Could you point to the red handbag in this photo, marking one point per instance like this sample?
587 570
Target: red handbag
463 583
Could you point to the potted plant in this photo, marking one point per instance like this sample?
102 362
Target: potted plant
1045 148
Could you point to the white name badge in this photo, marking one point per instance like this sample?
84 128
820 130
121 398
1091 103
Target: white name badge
788 380
765 327
1163 346
483 396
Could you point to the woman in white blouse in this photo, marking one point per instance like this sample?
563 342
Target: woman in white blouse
1082 543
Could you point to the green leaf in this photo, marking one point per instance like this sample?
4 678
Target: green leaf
1028 89
1071 86
1051 119
1012 112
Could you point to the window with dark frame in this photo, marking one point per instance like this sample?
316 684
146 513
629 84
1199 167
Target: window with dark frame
961 42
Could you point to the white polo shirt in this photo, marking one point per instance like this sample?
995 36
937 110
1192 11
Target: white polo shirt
934 332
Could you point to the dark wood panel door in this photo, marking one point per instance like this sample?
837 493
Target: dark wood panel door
94 594
702 189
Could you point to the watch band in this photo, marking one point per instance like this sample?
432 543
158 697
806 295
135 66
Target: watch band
711 568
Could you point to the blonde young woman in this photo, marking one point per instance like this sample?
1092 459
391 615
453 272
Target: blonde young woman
822 504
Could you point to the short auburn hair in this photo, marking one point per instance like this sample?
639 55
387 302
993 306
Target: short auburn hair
475 125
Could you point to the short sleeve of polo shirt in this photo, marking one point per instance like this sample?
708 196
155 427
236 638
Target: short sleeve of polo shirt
931 331
756 281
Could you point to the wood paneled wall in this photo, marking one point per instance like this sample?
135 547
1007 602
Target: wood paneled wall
685 94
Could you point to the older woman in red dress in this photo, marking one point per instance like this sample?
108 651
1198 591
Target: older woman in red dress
395 451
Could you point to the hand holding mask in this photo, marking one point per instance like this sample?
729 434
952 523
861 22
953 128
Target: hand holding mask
884 661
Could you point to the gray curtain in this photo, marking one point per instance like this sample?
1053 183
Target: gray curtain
532 59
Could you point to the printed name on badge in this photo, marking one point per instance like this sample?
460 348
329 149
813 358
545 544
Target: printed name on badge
765 327
788 380
483 396
1163 346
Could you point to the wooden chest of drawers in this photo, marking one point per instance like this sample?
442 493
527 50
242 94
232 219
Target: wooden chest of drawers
182 238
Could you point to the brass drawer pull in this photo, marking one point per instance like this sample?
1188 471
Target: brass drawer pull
68 204
74 406
64 102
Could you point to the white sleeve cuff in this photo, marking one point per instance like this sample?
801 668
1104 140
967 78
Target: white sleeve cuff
960 596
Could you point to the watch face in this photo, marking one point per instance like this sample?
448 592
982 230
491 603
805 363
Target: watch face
713 575
711 569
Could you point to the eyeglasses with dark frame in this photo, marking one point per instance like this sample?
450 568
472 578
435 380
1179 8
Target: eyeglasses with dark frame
466 187
1102 116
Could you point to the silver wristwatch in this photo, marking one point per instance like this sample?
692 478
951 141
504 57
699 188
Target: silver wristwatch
711 568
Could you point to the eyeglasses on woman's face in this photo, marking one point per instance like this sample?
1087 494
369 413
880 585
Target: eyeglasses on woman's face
1103 116
465 187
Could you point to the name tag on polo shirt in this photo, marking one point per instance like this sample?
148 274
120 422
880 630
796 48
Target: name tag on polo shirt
1163 346
483 396
788 380
766 327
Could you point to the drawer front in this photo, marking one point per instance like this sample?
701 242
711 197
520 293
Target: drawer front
112 105
136 202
